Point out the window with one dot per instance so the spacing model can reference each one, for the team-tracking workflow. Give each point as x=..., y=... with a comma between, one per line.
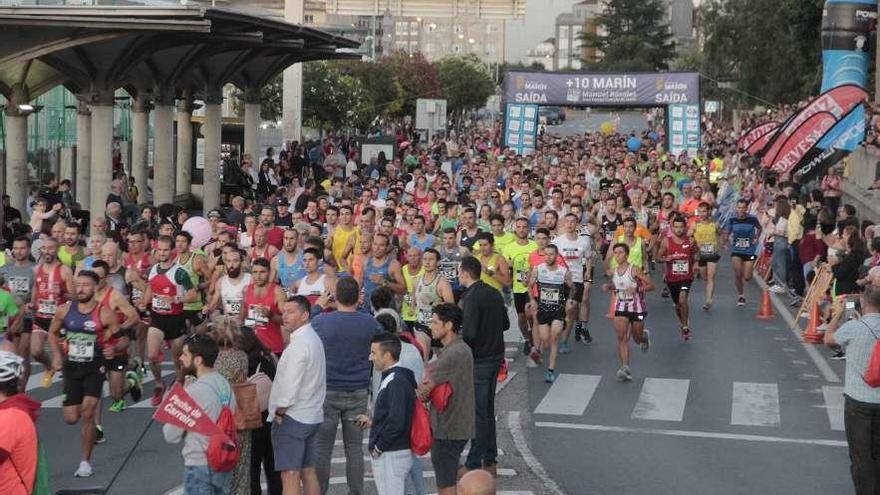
x=414, y=28
x=458, y=29
x=413, y=46
x=491, y=28
x=401, y=45
x=308, y=19
x=400, y=28
x=563, y=41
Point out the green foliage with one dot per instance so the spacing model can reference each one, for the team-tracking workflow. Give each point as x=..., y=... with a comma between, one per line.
x=466, y=83
x=270, y=99
x=378, y=81
x=415, y=78
x=771, y=50
x=334, y=100
x=635, y=37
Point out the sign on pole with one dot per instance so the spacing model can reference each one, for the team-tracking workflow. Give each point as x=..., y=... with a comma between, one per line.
x=430, y=114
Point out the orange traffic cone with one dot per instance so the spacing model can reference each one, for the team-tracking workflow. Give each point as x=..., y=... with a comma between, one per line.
x=811, y=334
x=766, y=310
x=611, y=306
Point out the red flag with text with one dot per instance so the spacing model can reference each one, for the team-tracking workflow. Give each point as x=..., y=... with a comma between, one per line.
x=181, y=410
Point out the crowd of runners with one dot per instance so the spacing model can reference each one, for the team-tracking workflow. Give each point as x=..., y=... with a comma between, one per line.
x=114, y=298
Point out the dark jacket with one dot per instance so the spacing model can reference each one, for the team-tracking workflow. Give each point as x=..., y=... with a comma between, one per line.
x=484, y=320
x=393, y=410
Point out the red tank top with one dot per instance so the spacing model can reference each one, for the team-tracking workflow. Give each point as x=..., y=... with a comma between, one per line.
x=120, y=317
x=50, y=290
x=680, y=266
x=268, y=332
x=164, y=285
x=663, y=220
x=255, y=255
x=141, y=266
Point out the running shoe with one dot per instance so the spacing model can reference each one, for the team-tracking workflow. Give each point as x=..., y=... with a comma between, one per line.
x=577, y=332
x=47, y=377
x=99, y=438
x=838, y=355
x=646, y=343
x=777, y=289
x=708, y=305
x=741, y=301
x=549, y=376
x=627, y=374
x=564, y=348
x=535, y=356
x=795, y=301
x=84, y=470
x=135, y=385
x=621, y=375
x=158, y=392
x=685, y=333
x=664, y=292
x=117, y=406
x=527, y=346
x=588, y=339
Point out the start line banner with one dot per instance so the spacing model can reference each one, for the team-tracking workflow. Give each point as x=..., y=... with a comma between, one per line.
x=657, y=89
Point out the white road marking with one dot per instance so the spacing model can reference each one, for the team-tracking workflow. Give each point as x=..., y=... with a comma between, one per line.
x=662, y=399
x=569, y=395
x=500, y=387
x=464, y=453
x=755, y=404
x=519, y=440
x=695, y=434
x=834, y=406
x=341, y=480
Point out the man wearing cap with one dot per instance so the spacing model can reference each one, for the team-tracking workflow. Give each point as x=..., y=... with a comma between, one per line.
x=283, y=219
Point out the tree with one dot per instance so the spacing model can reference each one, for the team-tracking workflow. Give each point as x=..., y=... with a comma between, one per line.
x=415, y=77
x=635, y=37
x=466, y=83
x=377, y=79
x=333, y=100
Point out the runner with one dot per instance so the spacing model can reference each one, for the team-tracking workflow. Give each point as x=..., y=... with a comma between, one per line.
x=229, y=295
x=287, y=265
x=704, y=232
x=168, y=289
x=87, y=326
x=577, y=250
x=743, y=231
x=70, y=253
x=553, y=284
x=195, y=266
x=137, y=263
x=630, y=310
x=339, y=244
x=430, y=288
x=262, y=307
x=679, y=253
x=315, y=283
x=262, y=248
x=450, y=259
x=517, y=254
x=610, y=220
x=53, y=282
x=468, y=230
x=496, y=272
x=19, y=277
x=381, y=269
x=410, y=271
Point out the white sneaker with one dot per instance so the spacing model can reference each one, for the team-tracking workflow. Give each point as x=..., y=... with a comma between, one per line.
x=777, y=289
x=84, y=471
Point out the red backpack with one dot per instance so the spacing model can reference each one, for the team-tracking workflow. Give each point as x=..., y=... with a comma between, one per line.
x=223, y=448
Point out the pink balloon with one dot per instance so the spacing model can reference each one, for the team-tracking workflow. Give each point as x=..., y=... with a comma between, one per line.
x=200, y=229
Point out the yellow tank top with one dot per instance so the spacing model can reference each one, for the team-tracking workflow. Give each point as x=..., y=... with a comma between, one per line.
x=408, y=309
x=705, y=233
x=490, y=264
x=340, y=240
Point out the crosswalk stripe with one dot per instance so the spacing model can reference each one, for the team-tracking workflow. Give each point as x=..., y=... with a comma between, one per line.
x=570, y=395
x=464, y=453
x=55, y=402
x=662, y=399
x=341, y=480
x=755, y=404
x=36, y=380
x=834, y=406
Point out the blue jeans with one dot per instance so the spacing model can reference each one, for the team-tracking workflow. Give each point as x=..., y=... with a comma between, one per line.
x=201, y=480
x=415, y=480
x=780, y=261
x=484, y=448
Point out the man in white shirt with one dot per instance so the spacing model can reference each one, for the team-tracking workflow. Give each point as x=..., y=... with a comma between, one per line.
x=296, y=403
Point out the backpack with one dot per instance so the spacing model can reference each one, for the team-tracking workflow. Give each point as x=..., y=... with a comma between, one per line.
x=420, y=436
x=223, y=448
x=872, y=370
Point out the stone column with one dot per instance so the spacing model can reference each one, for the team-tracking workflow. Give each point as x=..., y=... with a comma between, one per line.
x=16, y=157
x=102, y=154
x=140, y=136
x=291, y=91
x=252, y=123
x=83, y=155
x=211, y=130
x=184, y=145
x=163, y=152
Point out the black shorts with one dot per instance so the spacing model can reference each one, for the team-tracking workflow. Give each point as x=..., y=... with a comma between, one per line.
x=195, y=317
x=27, y=324
x=744, y=257
x=713, y=258
x=631, y=316
x=675, y=288
x=41, y=324
x=445, y=458
x=519, y=301
x=118, y=363
x=548, y=314
x=81, y=381
x=577, y=293
x=173, y=326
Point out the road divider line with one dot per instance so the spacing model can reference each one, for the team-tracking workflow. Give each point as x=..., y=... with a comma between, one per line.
x=662, y=399
x=569, y=395
x=755, y=404
x=694, y=434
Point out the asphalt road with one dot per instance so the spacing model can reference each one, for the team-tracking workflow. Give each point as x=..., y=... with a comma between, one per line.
x=579, y=121
x=741, y=408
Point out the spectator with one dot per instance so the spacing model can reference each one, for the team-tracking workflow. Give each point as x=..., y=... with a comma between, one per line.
x=297, y=400
x=781, y=255
x=477, y=482
x=812, y=247
x=861, y=414
x=18, y=432
x=832, y=189
x=485, y=320
x=392, y=416
x=454, y=426
x=261, y=360
x=211, y=392
x=846, y=267
x=235, y=215
x=346, y=334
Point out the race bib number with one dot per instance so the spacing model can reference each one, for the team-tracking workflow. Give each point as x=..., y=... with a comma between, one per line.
x=625, y=296
x=47, y=307
x=408, y=299
x=680, y=267
x=550, y=295
x=425, y=316
x=449, y=273
x=233, y=307
x=19, y=285
x=81, y=348
x=743, y=243
x=664, y=225
x=136, y=294
x=161, y=303
x=255, y=315
x=707, y=249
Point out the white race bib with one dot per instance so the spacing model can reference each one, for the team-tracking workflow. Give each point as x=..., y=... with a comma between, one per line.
x=233, y=307
x=255, y=314
x=707, y=248
x=81, y=348
x=624, y=296
x=550, y=295
x=19, y=285
x=47, y=306
x=743, y=243
x=680, y=267
x=161, y=303
x=425, y=316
